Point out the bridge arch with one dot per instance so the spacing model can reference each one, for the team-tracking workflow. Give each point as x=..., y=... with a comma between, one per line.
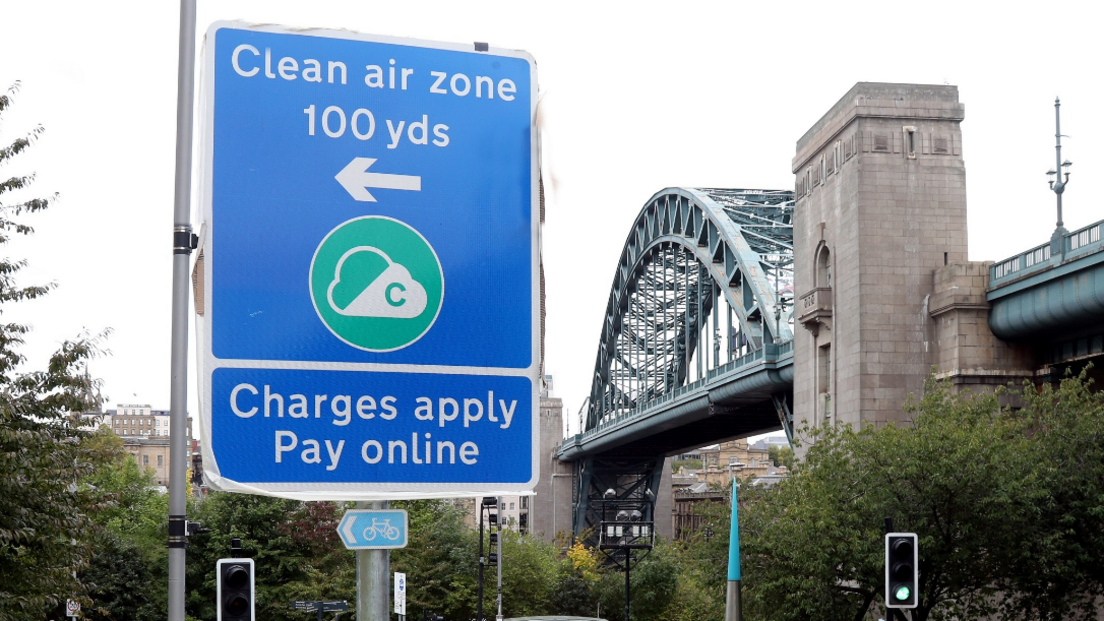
x=705, y=281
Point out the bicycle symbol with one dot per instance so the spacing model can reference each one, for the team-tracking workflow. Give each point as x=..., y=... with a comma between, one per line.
x=382, y=528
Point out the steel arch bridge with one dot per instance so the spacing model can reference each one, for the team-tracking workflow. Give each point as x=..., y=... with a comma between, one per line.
x=696, y=345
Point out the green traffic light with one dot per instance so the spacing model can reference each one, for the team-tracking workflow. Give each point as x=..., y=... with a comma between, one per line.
x=902, y=593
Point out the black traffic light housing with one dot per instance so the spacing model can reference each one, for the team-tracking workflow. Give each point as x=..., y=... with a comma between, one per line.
x=235, y=589
x=902, y=570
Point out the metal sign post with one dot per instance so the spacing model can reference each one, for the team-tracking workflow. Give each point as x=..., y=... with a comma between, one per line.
x=183, y=243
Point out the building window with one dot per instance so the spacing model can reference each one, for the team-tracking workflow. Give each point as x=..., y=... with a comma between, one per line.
x=502, y=507
x=145, y=460
x=160, y=460
x=825, y=364
x=524, y=502
x=837, y=158
x=910, y=142
x=824, y=268
x=511, y=506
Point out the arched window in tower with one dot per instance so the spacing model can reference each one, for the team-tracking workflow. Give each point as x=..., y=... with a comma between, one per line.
x=824, y=267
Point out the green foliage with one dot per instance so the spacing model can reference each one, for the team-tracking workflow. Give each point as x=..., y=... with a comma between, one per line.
x=781, y=456
x=282, y=538
x=129, y=561
x=653, y=583
x=120, y=579
x=441, y=559
x=1004, y=501
x=44, y=514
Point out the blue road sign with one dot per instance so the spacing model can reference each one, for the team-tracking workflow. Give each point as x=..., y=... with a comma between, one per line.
x=369, y=267
x=373, y=529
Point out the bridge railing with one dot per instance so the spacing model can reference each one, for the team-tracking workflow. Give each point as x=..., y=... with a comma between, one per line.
x=1083, y=241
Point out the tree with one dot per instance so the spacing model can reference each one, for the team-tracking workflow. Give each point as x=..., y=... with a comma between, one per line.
x=577, y=574
x=44, y=522
x=1055, y=572
x=1005, y=527
x=781, y=456
x=653, y=584
x=127, y=574
x=286, y=568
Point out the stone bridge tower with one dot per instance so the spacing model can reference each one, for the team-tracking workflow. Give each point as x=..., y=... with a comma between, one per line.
x=881, y=206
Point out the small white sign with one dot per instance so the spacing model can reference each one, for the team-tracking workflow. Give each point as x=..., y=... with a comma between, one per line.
x=400, y=593
x=72, y=608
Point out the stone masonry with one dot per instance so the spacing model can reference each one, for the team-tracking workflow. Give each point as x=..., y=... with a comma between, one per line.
x=881, y=204
x=885, y=290
x=550, y=512
x=967, y=351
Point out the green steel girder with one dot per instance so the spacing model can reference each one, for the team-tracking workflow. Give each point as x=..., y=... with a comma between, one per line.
x=687, y=250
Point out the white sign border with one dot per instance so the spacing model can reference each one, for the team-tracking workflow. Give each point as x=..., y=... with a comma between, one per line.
x=208, y=363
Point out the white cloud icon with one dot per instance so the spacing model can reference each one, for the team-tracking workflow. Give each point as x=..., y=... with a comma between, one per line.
x=394, y=293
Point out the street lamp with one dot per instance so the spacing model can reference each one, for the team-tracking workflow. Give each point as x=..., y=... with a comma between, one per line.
x=627, y=532
x=1058, y=181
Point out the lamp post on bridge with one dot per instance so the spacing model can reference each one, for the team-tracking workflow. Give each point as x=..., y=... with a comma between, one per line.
x=1058, y=182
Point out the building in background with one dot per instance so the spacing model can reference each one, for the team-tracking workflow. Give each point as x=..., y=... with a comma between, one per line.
x=721, y=462
x=145, y=434
x=548, y=511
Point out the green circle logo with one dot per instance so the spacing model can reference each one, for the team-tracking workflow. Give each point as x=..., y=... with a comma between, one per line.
x=376, y=283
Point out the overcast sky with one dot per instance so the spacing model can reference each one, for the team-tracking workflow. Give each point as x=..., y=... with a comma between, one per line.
x=638, y=96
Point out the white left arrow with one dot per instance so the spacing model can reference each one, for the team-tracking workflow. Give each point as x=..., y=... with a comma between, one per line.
x=348, y=529
x=356, y=180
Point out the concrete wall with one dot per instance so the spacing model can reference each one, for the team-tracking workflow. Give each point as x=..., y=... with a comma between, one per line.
x=888, y=216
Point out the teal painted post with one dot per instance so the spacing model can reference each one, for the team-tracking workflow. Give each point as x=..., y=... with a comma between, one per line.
x=732, y=596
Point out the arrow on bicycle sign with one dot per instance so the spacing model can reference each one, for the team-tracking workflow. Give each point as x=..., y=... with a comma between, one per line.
x=373, y=529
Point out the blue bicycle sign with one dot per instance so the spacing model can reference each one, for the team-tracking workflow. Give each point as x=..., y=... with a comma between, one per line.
x=365, y=529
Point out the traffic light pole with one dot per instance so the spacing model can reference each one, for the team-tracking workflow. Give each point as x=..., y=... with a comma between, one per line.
x=479, y=589
x=182, y=249
x=373, y=573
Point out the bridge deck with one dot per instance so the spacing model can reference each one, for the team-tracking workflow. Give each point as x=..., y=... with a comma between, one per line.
x=1043, y=294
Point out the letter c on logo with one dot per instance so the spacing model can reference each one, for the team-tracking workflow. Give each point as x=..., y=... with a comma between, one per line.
x=234, y=400
x=391, y=299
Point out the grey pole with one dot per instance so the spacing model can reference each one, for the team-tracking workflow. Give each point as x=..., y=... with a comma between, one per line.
x=1058, y=183
x=479, y=588
x=373, y=573
x=1058, y=156
x=182, y=249
x=499, y=616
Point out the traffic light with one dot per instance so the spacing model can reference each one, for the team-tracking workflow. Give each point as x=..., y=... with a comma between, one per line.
x=235, y=589
x=902, y=577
